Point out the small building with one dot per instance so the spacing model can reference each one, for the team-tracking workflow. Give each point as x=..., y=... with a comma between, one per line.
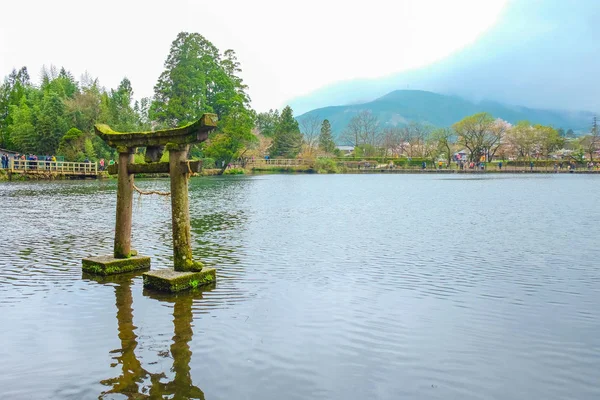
x=346, y=150
x=462, y=155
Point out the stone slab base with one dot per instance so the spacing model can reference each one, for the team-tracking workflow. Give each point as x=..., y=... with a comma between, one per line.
x=108, y=265
x=169, y=280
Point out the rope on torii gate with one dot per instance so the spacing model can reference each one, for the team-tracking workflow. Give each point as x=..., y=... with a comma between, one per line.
x=148, y=192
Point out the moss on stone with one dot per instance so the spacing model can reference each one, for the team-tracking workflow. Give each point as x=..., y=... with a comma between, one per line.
x=194, y=132
x=108, y=265
x=168, y=280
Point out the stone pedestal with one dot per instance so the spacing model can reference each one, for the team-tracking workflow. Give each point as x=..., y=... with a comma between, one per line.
x=169, y=280
x=109, y=265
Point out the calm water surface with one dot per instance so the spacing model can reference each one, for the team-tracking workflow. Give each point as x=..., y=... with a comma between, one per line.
x=329, y=287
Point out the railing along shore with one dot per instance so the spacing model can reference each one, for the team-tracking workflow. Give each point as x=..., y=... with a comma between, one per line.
x=57, y=167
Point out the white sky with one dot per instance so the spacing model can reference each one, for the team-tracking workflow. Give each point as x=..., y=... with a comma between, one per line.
x=286, y=49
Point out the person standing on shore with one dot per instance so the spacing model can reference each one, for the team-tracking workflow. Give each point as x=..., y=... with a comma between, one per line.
x=531, y=166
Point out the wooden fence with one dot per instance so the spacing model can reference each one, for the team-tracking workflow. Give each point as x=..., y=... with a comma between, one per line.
x=283, y=162
x=52, y=167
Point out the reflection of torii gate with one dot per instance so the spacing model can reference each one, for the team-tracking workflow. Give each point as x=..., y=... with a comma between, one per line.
x=133, y=374
x=187, y=272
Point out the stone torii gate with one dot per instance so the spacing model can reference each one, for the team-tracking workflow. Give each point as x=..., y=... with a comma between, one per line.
x=186, y=272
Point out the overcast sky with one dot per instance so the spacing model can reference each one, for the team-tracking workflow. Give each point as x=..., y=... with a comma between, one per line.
x=286, y=50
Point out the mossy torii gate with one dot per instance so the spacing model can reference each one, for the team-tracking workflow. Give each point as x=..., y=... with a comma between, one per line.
x=177, y=142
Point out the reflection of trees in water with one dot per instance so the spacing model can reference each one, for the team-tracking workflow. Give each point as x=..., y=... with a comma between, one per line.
x=133, y=381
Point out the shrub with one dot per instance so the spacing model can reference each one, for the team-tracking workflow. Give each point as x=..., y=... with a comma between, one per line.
x=234, y=171
x=326, y=166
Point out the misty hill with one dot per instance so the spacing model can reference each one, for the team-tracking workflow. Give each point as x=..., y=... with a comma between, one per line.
x=403, y=106
x=541, y=54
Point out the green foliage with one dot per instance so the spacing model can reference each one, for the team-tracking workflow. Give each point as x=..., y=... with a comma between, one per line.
x=233, y=137
x=234, y=171
x=21, y=128
x=267, y=122
x=51, y=123
x=326, y=166
x=480, y=133
x=287, y=141
x=12, y=91
x=118, y=110
x=34, y=120
x=72, y=145
x=197, y=79
x=366, y=150
x=208, y=162
x=326, y=142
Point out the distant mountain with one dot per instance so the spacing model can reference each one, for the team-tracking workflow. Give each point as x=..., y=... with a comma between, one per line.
x=541, y=54
x=403, y=106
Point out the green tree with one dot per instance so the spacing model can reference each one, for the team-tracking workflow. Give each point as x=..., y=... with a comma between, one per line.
x=523, y=138
x=197, y=79
x=443, y=140
x=326, y=142
x=550, y=139
x=72, y=145
x=121, y=115
x=481, y=134
x=266, y=122
x=16, y=85
x=62, y=83
x=189, y=82
x=84, y=108
x=233, y=139
x=51, y=123
x=21, y=130
x=287, y=141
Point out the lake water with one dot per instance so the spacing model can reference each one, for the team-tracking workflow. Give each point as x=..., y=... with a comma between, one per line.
x=329, y=287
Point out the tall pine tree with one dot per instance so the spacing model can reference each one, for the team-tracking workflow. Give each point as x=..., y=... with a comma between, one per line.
x=197, y=79
x=326, y=142
x=287, y=141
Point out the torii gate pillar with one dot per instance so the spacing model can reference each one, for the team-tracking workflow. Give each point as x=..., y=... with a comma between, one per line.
x=186, y=272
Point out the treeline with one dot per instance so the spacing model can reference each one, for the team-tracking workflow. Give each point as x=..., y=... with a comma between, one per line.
x=288, y=139
x=57, y=114
x=481, y=136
